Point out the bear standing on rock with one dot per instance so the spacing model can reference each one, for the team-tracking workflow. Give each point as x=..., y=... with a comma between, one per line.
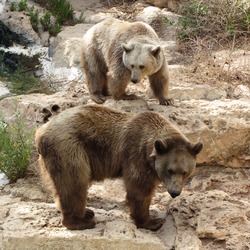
x=116, y=52
x=91, y=143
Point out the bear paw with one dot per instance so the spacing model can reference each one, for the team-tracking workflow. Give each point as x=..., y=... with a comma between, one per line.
x=153, y=224
x=89, y=214
x=78, y=224
x=98, y=98
x=166, y=101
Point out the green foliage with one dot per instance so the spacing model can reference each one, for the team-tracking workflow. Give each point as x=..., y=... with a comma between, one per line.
x=45, y=21
x=15, y=147
x=22, y=5
x=13, y=6
x=80, y=19
x=62, y=10
x=216, y=21
x=34, y=18
x=55, y=29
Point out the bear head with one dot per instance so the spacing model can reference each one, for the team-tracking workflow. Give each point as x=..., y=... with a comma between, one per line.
x=142, y=59
x=174, y=161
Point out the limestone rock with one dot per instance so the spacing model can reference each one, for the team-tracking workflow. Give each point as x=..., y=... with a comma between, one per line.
x=170, y=4
x=4, y=91
x=19, y=23
x=213, y=216
x=211, y=213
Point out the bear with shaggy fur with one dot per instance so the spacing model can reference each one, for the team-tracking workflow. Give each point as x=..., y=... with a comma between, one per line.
x=116, y=52
x=91, y=143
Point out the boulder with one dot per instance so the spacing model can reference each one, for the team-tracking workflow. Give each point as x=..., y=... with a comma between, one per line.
x=19, y=23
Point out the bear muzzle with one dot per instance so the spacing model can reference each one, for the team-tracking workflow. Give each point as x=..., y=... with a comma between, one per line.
x=134, y=80
x=174, y=193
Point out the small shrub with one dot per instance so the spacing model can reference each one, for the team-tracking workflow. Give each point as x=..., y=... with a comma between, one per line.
x=22, y=5
x=45, y=21
x=80, y=19
x=15, y=147
x=13, y=6
x=213, y=23
x=34, y=18
x=55, y=29
x=62, y=10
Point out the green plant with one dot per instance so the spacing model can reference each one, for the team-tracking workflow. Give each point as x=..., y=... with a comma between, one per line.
x=213, y=23
x=34, y=18
x=45, y=21
x=55, y=29
x=62, y=10
x=13, y=6
x=80, y=19
x=22, y=5
x=15, y=147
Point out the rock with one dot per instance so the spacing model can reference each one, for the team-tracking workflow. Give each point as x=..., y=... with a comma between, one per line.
x=197, y=92
x=212, y=215
x=4, y=91
x=149, y=15
x=160, y=20
x=170, y=4
x=19, y=23
x=38, y=224
x=242, y=91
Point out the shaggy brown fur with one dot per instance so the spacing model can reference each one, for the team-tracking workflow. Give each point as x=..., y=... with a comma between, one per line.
x=116, y=52
x=91, y=143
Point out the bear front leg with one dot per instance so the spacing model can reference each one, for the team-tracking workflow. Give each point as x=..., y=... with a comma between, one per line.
x=139, y=209
x=118, y=84
x=159, y=83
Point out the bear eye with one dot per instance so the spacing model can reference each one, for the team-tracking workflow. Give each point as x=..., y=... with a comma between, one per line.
x=132, y=66
x=142, y=67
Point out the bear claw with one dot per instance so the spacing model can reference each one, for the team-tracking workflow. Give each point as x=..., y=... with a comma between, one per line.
x=167, y=101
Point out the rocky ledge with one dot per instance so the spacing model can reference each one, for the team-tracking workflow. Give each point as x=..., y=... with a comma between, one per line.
x=213, y=212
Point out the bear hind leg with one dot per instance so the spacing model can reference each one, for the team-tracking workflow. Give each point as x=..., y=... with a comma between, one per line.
x=70, y=193
x=73, y=206
x=96, y=78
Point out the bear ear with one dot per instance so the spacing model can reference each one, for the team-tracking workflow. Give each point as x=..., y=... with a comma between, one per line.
x=127, y=48
x=196, y=148
x=160, y=146
x=155, y=50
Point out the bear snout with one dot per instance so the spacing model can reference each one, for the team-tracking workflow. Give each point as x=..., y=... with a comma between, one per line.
x=174, y=193
x=134, y=80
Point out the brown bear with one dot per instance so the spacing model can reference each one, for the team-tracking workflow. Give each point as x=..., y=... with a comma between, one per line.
x=91, y=143
x=116, y=52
